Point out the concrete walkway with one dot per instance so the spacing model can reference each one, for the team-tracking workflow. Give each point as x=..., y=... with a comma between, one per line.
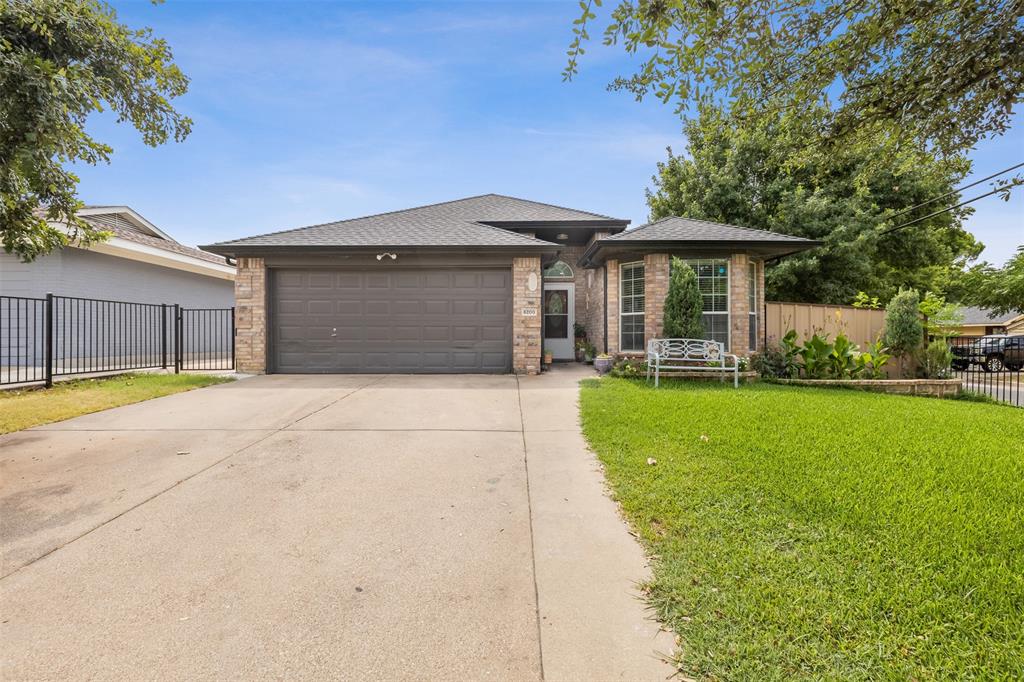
x=352, y=527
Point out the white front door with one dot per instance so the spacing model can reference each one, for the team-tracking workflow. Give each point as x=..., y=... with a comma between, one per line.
x=559, y=317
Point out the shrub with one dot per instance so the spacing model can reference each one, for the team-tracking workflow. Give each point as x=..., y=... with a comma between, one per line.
x=773, y=362
x=684, y=304
x=629, y=367
x=934, y=360
x=903, y=330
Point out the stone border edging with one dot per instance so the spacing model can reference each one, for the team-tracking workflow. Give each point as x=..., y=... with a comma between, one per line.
x=938, y=388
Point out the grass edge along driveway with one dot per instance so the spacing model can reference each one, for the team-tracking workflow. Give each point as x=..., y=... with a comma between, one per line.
x=822, y=534
x=28, y=407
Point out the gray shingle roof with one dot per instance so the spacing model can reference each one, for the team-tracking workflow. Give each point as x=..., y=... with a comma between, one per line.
x=975, y=315
x=687, y=229
x=452, y=223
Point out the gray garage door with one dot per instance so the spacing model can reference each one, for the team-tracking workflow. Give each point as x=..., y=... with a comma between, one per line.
x=422, y=321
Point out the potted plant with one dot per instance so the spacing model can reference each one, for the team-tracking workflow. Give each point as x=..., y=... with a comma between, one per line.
x=548, y=357
x=588, y=353
x=603, y=363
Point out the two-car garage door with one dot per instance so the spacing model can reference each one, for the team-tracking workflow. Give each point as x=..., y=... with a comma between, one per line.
x=388, y=320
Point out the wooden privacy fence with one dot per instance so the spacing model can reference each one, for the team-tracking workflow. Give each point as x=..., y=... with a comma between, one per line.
x=861, y=325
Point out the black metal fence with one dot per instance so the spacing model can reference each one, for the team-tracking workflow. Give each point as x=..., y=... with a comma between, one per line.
x=991, y=365
x=43, y=338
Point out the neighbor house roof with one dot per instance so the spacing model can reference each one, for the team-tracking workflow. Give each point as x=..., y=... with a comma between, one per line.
x=135, y=238
x=470, y=222
x=676, y=232
x=982, y=316
x=167, y=244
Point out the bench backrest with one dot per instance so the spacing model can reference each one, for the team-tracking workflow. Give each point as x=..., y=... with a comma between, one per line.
x=686, y=349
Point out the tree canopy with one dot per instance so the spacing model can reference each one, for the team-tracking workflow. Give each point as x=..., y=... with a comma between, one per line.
x=765, y=176
x=943, y=73
x=998, y=289
x=60, y=61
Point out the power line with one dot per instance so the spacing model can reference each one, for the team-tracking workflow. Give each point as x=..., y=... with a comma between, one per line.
x=946, y=210
x=955, y=191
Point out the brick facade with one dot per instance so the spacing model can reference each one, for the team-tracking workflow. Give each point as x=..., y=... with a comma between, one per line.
x=612, y=313
x=251, y=316
x=656, y=276
x=526, y=329
x=739, y=305
x=656, y=271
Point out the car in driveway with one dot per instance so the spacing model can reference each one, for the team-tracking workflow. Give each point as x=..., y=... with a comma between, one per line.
x=991, y=353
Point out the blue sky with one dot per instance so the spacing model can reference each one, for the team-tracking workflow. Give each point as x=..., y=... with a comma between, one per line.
x=307, y=112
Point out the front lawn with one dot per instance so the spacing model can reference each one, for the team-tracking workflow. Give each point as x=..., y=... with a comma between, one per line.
x=25, y=408
x=823, y=533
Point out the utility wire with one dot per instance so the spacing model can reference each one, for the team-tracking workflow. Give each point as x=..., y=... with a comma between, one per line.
x=945, y=210
x=955, y=191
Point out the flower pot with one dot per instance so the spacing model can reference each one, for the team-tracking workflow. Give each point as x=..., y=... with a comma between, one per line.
x=548, y=358
x=603, y=365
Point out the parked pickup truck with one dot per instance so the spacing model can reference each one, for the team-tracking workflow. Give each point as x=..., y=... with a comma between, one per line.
x=992, y=353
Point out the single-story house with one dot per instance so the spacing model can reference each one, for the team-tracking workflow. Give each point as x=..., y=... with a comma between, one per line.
x=140, y=263
x=483, y=284
x=982, y=322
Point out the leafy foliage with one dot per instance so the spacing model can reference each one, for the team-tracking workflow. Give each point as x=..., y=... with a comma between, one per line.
x=941, y=319
x=684, y=304
x=766, y=176
x=60, y=61
x=943, y=73
x=820, y=358
x=903, y=328
x=999, y=289
x=934, y=360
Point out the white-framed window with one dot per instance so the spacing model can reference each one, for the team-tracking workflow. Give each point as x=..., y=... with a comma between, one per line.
x=752, y=303
x=631, y=306
x=713, y=282
x=558, y=270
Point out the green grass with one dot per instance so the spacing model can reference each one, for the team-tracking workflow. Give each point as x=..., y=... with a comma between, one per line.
x=25, y=408
x=823, y=534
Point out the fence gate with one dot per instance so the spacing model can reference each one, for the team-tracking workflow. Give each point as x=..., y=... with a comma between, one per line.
x=206, y=339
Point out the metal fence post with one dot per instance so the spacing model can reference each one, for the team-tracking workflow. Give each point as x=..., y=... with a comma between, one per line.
x=48, y=354
x=232, y=337
x=177, y=338
x=163, y=335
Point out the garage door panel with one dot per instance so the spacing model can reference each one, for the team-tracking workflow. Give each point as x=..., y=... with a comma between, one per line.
x=434, y=321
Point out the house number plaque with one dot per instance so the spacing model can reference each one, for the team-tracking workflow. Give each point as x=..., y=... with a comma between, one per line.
x=528, y=312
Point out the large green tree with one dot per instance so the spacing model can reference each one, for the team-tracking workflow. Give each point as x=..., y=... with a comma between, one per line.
x=943, y=73
x=60, y=61
x=999, y=289
x=766, y=176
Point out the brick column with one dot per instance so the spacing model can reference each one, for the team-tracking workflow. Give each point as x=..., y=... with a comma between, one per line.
x=656, y=270
x=526, y=336
x=251, y=316
x=760, y=305
x=612, y=312
x=739, y=306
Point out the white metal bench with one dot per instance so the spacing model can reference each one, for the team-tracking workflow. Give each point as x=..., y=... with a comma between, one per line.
x=690, y=354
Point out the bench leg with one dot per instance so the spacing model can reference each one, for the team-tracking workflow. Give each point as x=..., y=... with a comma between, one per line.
x=657, y=375
x=648, y=371
x=736, y=378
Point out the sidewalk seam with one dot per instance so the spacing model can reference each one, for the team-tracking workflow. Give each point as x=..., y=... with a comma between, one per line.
x=533, y=549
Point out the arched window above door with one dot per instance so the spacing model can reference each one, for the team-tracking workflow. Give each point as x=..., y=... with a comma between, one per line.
x=558, y=270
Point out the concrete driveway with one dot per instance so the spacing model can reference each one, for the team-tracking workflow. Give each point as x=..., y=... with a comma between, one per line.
x=350, y=527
